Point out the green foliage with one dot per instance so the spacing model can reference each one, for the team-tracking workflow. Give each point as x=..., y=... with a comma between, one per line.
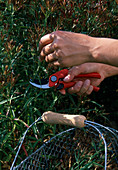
x=22, y=24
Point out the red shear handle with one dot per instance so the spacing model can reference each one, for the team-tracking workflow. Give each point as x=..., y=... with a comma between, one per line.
x=63, y=73
x=89, y=75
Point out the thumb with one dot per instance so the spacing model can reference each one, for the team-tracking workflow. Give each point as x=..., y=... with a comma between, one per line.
x=69, y=78
x=74, y=71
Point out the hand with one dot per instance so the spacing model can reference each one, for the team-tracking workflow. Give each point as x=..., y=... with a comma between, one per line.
x=85, y=86
x=65, y=49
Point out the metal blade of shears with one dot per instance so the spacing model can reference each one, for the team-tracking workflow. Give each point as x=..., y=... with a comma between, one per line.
x=44, y=86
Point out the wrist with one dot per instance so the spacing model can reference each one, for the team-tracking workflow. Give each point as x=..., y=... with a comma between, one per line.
x=95, y=49
x=110, y=70
x=107, y=70
x=104, y=50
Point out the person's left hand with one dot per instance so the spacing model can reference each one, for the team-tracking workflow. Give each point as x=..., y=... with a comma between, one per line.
x=65, y=49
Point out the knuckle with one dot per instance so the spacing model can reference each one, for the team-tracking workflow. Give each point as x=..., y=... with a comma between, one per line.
x=77, y=88
x=84, y=89
x=48, y=46
x=74, y=71
x=71, y=70
x=52, y=35
x=58, y=43
x=55, y=45
x=47, y=58
x=86, y=85
x=59, y=53
x=51, y=57
x=56, y=32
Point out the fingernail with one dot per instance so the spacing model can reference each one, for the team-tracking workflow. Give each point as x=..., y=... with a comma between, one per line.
x=67, y=78
x=62, y=91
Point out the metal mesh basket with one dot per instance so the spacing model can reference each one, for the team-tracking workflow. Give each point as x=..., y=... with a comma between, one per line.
x=74, y=149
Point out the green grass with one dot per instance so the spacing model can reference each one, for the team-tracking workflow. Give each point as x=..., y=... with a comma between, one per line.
x=22, y=24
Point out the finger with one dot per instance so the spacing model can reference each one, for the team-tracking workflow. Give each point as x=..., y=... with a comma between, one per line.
x=54, y=64
x=51, y=57
x=56, y=55
x=46, y=50
x=47, y=39
x=68, y=78
x=74, y=71
x=89, y=91
x=85, y=87
x=63, y=91
x=76, y=88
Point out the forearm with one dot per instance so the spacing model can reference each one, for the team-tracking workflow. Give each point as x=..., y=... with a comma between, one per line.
x=104, y=50
x=108, y=70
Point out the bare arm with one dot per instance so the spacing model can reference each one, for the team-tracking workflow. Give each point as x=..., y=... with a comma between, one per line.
x=69, y=49
x=105, y=50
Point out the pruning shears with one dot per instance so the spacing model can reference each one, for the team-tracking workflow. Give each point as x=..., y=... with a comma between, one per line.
x=56, y=80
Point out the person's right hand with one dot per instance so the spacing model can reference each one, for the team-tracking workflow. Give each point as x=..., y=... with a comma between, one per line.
x=85, y=86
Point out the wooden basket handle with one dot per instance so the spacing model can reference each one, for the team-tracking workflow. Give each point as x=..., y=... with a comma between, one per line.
x=65, y=119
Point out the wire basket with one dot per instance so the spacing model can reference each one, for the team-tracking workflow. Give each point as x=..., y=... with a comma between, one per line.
x=75, y=149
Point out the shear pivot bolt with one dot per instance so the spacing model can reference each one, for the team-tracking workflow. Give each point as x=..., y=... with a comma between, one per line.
x=53, y=78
